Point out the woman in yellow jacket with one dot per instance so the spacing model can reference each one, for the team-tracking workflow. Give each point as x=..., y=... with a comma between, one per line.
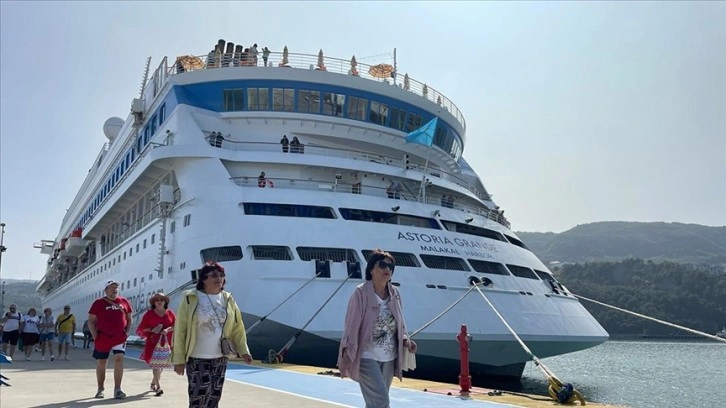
x=208, y=330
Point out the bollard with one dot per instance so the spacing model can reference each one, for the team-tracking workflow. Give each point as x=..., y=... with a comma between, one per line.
x=464, y=378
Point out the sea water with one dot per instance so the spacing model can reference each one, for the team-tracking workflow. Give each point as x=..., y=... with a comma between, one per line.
x=641, y=374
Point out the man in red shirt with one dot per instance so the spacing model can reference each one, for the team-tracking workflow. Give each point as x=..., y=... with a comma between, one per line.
x=109, y=321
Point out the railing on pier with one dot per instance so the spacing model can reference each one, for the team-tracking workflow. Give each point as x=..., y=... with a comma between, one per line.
x=310, y=61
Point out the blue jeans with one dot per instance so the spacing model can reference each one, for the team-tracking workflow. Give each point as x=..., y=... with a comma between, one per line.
x=375, y=381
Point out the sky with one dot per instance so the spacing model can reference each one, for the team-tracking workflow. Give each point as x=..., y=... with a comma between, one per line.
x=576, y=112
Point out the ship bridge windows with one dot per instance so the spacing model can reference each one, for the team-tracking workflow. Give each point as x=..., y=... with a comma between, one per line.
x=221, y=254
x=493, y=268
x=288, y=210
x=398, y=118
x=325, y=254
x=258, y=99
x=357, y=108
x=444, y=262
x=414, y=122
x=402, y=258
x=355, y=214
x=233, y=99
x=333, y=104
x=378, y=113
x=473, y=230
x=308, y=101
x=271, y=253
x=516, y=242
x=283, y=99
x=522, y=272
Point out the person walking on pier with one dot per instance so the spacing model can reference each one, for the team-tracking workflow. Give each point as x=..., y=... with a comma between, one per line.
x=208, y=330
x=374, y=335
x=156, y=324
x=109, y=320
x=47, y=333
x=11, y=330
x=65, y=328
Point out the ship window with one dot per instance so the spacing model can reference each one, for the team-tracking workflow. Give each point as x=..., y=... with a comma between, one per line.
x=414, y=122
x=333, y=104
x=355, y=214
x=283, y=99
x=233, y=99
x=137, y=247
x=357, y=108
x=522, y=272
x=398, y=118
x=172, y=227
x=516, y=242
x=378, y=113
x=488, y=267
x=288, y=210
x=473, y=230
x=324, y=254
x=162, y=114
x=144, y=243
x=402, y=258
x=134, y=282
x=308, y=101
x=258, y=99
x=222, y=254
x=444, y=262
x=187, y=219
x=153, y=237
x=271, y=253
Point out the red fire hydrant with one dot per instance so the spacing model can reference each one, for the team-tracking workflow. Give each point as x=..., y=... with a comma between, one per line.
x=464, y=378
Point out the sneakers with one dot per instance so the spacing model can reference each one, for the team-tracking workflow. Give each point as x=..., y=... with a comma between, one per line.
x=42, y=358
x=119, y=394
x=52, y=358
x=99, y=394
x=66, y=358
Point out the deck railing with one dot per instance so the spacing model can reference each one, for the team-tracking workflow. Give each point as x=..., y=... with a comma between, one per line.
x=310, y=61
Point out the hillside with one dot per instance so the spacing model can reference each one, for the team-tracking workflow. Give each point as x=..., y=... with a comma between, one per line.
x=613, y=241
x=22, y=293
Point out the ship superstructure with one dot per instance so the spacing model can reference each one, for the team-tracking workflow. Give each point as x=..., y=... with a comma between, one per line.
x=197, y=172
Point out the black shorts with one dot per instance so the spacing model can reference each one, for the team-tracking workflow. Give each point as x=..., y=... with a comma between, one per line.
x=11, y=337
x=30, y=339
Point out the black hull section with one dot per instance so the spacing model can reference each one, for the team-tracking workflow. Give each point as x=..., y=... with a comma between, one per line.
x=269, y=337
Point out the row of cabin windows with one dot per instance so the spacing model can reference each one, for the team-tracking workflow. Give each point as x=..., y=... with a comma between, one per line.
x=357, y=214
x=403, y=259
x=139, y=246
x=335, y=104
x=142, y=140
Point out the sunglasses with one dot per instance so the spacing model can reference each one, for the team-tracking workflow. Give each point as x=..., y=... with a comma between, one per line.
x=216, y=274
x=384, y=265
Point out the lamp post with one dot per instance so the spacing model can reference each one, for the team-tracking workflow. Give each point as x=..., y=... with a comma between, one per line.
x=2, y=249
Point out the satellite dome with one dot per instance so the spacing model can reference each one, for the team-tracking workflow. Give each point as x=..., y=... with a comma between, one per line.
x=112, y=127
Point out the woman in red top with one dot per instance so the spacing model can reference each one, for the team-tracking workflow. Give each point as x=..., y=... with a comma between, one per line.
x=157, y=321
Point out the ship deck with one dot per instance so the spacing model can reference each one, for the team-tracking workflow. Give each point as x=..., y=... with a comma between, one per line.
x=72, y=383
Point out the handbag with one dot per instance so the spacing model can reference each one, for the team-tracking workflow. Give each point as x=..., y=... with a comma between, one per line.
x=409, y=360
x=227, y=346
x=161, y=356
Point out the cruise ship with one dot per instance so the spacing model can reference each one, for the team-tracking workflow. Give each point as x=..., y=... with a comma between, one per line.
x=198, y=171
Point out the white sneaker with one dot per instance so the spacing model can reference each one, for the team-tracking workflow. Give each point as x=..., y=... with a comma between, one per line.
x=42, y=358
x=66, y=358
x=52, y=358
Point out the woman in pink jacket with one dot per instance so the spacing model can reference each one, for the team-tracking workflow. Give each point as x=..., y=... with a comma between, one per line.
x=374, y=337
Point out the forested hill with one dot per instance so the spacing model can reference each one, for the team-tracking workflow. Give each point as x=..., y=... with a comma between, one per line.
x=686, y=295
x=611, y=241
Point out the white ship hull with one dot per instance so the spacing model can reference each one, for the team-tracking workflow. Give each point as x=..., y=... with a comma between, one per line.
x=151, y=238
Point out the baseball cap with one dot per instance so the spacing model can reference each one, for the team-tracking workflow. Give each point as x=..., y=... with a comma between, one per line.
x=109, y=283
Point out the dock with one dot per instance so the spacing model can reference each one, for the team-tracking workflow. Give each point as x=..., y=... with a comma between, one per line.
x=61, y=383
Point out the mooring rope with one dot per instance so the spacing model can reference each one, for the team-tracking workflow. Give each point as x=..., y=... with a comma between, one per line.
x=700, y=333
x=279, y=356
x=283, y=302
x=442, y=313
x=557, y=389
